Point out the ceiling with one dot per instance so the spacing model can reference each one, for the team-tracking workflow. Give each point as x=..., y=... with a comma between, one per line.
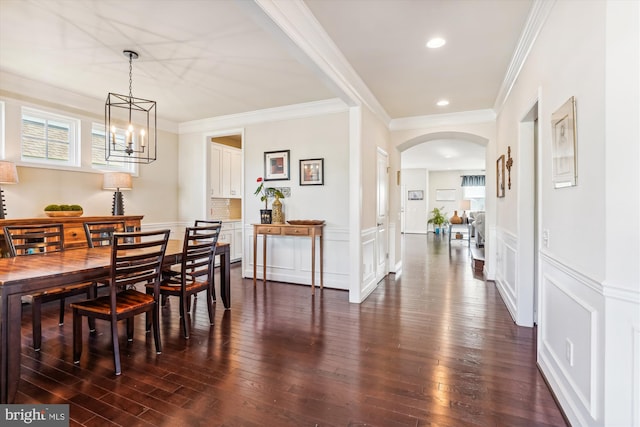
x=202, y=59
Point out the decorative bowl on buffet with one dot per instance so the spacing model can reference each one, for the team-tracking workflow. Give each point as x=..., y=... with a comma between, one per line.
x=306, y=221
x=63, y=210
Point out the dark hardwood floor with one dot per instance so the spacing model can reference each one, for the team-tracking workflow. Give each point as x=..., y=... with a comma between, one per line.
x=436, y=347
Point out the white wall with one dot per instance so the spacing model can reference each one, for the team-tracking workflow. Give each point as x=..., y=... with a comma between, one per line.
x=374, y=238
x=445, y=180
x=321, y=135
x=415, y=211
x=579, y=311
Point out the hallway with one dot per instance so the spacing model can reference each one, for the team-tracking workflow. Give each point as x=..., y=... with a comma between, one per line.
x=434, y=348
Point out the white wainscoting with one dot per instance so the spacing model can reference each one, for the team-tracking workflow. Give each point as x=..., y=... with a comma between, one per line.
x=177, y=229
x=505, y=273
x=571, y=340
x=289, y=258
x=635, y=373
x=369, y=261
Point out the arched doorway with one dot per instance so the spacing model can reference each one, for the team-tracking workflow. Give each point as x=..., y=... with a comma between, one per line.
x=447, y=153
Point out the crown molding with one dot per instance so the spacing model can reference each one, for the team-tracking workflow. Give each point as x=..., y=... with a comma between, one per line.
x=540, y=10
x=293, y=20
x=465, y=117
x=288, y=112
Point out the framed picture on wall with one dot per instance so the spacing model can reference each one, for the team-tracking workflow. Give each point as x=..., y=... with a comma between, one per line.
x=446, y=195
x=500, y=176
x=312, y=172
x=415, y=195
x=563, y=128
x=276, y=165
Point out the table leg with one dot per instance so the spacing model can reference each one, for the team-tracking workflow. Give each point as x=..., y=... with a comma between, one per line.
x=10, y=346
x=313, y=264
x=225, y=277
x=321, y=255
x=264, y=259
x=255, y=250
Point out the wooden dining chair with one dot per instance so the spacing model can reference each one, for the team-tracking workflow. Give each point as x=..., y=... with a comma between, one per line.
x=205, y=222
x=40, y=239
x=100, y=233
x=196, y=271
x=136, y=258
x=175, y=270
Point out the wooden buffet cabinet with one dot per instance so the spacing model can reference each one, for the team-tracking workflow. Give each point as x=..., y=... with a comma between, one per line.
x=74, y=236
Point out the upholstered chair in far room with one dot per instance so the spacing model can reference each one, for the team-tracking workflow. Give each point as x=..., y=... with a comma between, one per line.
x=40, y=239
x=136, y=258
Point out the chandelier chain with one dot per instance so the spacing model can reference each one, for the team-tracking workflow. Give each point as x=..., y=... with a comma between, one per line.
x=130, y=74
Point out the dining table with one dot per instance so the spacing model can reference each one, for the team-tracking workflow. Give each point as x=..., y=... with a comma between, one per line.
x=26, y=275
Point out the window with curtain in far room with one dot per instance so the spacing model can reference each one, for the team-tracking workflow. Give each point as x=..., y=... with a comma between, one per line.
x=473, y=189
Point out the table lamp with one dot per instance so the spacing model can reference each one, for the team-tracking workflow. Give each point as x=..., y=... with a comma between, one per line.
x=465, y=205
x=117, y=181
x=8, y=175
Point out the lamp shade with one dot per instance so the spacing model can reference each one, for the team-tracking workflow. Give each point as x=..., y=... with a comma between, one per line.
x=8, y=173
x=117, y=181
x=465, y=205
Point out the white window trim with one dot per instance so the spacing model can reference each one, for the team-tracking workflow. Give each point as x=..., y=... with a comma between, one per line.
x=74, y=148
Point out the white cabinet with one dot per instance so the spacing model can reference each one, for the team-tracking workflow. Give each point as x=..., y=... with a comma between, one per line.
x=236, y=249
x=225, y=171
x=231, y=233
x=215, y=170
x=231, y=172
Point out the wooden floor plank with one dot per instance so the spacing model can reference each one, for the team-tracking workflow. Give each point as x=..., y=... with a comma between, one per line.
x=433, y=347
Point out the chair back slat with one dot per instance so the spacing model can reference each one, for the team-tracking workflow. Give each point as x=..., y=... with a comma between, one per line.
x=137, y=258
x=199, y=250
x=205, y=222
x=34, y=239
x=100, y=233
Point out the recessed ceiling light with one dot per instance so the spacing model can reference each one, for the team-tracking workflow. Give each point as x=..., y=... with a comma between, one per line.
x=442, y=103
x=436, y=42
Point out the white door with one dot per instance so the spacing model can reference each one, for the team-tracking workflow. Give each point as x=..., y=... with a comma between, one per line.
x=382, y=177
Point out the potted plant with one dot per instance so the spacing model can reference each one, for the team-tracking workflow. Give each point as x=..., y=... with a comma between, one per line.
x=63, y=210
x=265, y=193
x=438, y=218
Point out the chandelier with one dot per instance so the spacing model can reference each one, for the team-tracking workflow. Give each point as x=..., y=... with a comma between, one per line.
x=130, y=125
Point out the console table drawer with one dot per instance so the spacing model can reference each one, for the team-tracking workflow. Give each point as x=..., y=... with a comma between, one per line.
x=267, y=229
x=296, y=231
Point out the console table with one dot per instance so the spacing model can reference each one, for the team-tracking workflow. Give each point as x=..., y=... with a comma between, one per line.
x=306, y=230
